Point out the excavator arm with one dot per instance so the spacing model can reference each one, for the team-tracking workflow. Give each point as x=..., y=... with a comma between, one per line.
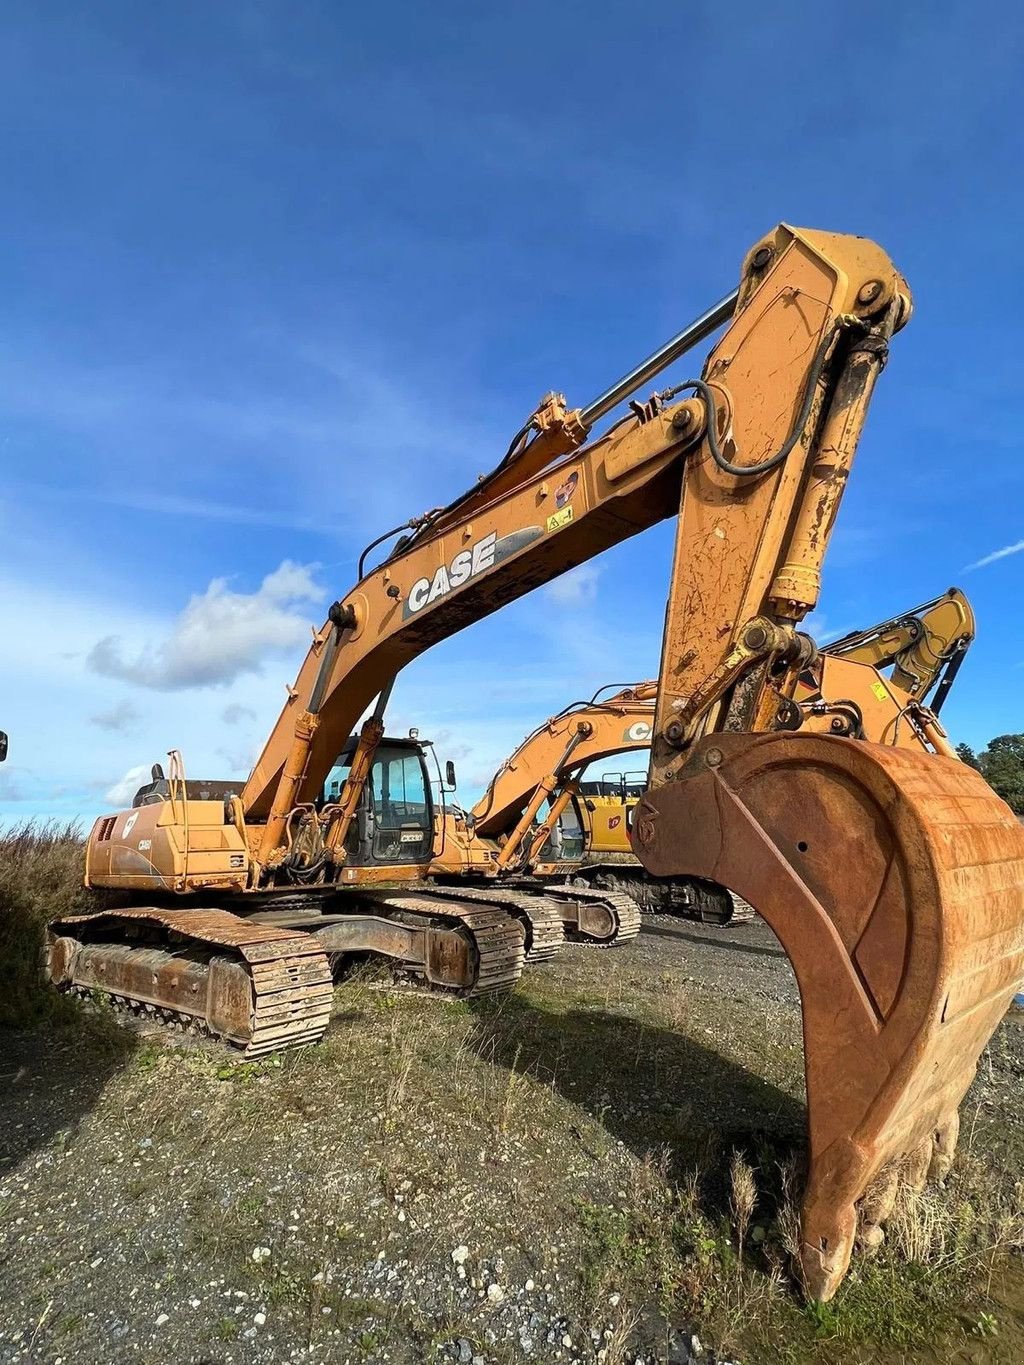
x=754, y=466
x=924, y=647
x=844, y=692
x=921, y=646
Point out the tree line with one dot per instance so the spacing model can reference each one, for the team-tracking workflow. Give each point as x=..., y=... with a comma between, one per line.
x=1002, y=767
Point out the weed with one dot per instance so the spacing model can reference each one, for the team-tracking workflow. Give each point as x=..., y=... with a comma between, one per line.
x=824, y=1320
x=986, y=1326
x=742, y=1197
x=243, y=1073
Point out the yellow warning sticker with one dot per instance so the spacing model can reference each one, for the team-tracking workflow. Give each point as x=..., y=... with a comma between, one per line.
x=880, y=690
x=558, y=519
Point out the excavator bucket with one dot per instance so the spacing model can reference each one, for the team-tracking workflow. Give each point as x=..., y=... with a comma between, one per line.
x=895, y=882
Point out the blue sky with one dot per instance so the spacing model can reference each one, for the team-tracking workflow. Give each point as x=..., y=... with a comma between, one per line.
x=278, y=276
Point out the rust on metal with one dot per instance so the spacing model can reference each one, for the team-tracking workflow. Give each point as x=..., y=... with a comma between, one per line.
x=906, y=962
x=253, y=985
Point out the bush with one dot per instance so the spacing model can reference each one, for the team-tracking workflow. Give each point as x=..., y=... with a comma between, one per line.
x=41, y=869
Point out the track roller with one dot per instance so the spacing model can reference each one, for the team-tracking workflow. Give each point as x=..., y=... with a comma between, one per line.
x=540, y=916
x=595, y=916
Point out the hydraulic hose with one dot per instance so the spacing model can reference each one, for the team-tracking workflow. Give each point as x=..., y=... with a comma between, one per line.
x=706, y=395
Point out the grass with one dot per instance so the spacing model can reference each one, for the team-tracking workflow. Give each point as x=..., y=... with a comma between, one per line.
x=41, y=869
x=584, y=1128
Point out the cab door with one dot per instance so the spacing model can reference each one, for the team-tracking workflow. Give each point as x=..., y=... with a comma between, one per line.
x=403, y=816
x=394, y=822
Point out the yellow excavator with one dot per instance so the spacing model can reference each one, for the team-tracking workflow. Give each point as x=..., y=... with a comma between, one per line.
x=584, y=835
x=894, y=878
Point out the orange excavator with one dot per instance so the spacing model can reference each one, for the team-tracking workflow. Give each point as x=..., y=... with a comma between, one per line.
x=583, y=837
x=894, y=878
x=502, y=840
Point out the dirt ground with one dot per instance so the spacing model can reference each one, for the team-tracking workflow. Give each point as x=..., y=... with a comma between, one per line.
x=546, y=1178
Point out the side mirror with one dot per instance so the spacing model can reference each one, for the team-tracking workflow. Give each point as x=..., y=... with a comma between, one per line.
x=590, y=806
x=3, y=745
x=449, y=775
x=157, y=772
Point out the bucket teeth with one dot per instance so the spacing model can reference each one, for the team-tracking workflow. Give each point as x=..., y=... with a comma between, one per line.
x=895, y=882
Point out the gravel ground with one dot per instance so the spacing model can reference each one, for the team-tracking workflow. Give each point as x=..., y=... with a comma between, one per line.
x=427, y=1185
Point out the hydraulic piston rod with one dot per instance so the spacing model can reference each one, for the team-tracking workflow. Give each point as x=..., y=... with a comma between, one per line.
x=682, y=342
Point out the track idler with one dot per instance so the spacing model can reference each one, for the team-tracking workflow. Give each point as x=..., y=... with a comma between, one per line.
x=895, y=882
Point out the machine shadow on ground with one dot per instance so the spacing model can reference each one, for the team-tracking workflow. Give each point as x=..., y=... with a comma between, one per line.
x=655, y=1089
x=672, y=931
x=50, y=1079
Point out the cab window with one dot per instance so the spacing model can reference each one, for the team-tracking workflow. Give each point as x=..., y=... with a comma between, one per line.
x=402, y=812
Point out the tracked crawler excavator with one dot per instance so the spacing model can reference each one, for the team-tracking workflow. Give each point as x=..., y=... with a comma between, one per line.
x=893, y=878
x=922, y=648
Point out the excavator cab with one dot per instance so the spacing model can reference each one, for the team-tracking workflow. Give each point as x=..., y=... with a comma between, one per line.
x=394, y=821
x=606, y=804
x=567, y=839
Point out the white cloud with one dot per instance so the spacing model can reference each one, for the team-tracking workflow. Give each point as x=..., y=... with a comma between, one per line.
x=577, y=588
x=50, y=685
x=327, y=398
x=220, y=634
x=1007, y=550
x=172, y=505
x=816, y=625
x=120, y=718
x=121, y=793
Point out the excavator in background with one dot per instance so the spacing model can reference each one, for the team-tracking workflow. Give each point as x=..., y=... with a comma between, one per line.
x=584, y=835
x=506, y=838
x=502, y=838
x=894, y=878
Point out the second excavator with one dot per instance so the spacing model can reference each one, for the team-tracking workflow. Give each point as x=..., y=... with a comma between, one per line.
x=888, y=684
x=894, y=878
